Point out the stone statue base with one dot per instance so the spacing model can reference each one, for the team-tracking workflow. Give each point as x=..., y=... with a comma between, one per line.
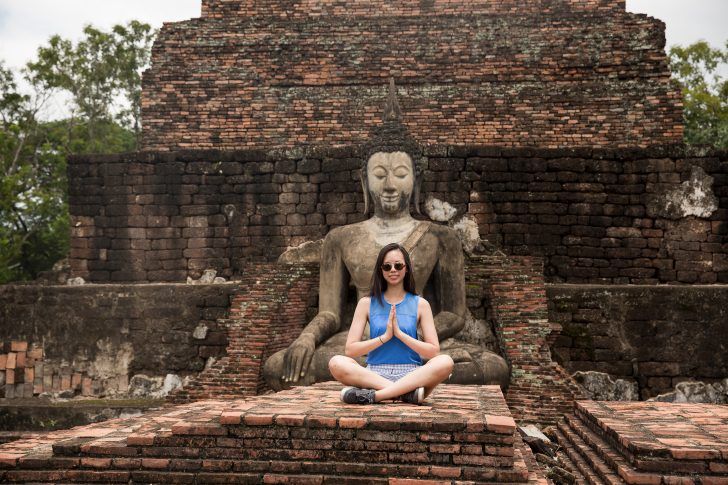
x=473, y=364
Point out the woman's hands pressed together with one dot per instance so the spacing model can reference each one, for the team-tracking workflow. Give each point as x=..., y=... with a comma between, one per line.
x=394, y=324
x=389, y=332
x=393, y=329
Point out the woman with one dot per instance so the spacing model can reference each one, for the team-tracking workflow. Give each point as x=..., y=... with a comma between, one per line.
x=394, y=361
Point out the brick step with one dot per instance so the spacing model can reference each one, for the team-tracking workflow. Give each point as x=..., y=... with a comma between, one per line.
x=354, y=453
x=387, y=452
x=590, y=464
x=586, y=419
x=282, y=477
x=47, y=468
x=662, y=448
x=214, y=441
x=595, y=445
x=576, y=465
x=618, y=464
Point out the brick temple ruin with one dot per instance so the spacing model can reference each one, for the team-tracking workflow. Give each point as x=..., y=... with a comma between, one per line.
x=552, y=126
x=513, y=73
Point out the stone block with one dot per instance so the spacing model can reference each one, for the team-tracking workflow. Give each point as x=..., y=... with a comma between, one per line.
x=309, y=166
x=35, y=353
x=659, y=368
x=659, y=384
x=86, y=386
x=687, y=276
x=720, y=263
x=47, y=380
x=18, y=346
x=65, y=382
x=76, y=381
x=123, y=383
x=624, y=232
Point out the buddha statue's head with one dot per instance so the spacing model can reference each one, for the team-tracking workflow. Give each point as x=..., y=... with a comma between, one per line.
x=392, y=165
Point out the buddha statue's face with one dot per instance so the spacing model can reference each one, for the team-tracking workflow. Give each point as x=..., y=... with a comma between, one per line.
x=391, y=180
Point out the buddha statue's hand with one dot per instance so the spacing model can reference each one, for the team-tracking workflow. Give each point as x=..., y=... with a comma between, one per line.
x=448, y=324
x=460, y=355
x=298, y=357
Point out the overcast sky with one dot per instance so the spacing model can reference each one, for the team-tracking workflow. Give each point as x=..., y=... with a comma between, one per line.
x=27, y=24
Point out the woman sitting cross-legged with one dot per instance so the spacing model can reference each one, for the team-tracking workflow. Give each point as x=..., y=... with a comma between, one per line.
x=394, y=352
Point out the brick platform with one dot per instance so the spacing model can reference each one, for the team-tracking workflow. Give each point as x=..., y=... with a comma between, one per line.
x=648, y=443
x=463, y=434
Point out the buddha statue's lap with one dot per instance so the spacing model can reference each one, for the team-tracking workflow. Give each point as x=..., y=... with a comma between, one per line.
x=390, y=179
x=473, y=364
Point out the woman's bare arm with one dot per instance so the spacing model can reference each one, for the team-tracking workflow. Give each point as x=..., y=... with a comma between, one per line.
x=355, y=346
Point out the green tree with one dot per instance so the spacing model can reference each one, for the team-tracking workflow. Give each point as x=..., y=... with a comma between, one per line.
x=133, y=50
x=96, y=72
x=33, y=212
x=102, y=75
x=697, y=68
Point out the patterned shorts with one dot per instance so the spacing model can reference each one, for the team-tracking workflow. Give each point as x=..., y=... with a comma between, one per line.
x=393, y=372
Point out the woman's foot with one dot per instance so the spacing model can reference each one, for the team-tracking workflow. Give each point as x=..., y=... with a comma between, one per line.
x=416, y=396
x=354, y=395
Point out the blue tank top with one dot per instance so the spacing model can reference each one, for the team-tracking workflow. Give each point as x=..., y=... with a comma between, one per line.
x=394, y=351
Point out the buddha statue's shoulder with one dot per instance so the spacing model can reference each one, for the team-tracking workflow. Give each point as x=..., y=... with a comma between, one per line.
x=344, y=234
x=445, y=235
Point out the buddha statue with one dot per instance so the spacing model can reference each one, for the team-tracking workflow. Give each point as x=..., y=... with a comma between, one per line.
x=390, y=178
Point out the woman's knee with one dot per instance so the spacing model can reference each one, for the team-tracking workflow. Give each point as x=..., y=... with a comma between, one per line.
x=443, y=364
x=338, y=365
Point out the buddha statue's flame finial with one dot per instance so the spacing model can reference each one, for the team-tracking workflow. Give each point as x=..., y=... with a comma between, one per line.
x=392, y=111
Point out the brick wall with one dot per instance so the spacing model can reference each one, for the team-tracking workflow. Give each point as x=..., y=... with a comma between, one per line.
x=22, y=372
x=658, y=335
x=599, y=216
x=540, y=391
x=268, y=311
x=557, y=73
x=91, y=340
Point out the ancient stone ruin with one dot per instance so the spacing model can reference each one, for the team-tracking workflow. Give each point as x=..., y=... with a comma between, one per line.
x=546, y=135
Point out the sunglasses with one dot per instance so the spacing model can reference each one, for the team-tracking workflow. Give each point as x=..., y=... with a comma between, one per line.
x=388, y=266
